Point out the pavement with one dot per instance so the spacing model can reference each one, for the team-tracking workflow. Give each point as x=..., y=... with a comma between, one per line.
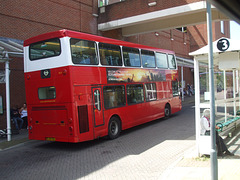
x=16, y=140
x=192, y=167
x=188, y=167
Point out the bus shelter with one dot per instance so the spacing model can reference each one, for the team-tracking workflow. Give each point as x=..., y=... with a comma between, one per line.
x=226, y=87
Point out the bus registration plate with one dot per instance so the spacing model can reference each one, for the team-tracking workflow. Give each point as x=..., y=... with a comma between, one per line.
x=50, y=139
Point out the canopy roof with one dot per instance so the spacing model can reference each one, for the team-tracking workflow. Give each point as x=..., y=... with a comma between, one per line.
x=225, y=54
x=12, y=47
x=234, y=45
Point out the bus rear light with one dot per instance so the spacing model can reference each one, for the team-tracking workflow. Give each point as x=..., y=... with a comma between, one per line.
x=71, y=129
x=64, y=72
x=70, y=120
x=28, y=77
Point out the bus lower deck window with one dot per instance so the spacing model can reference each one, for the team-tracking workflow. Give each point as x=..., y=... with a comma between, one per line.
x=135, y=94
x=151, y=91
x=114, y=96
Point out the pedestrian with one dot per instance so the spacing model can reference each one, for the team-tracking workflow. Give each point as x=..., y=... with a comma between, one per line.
x=205, y=131
x=23, y=113
x=15, y=116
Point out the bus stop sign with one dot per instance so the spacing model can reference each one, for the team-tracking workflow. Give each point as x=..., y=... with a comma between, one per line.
x=223, y=44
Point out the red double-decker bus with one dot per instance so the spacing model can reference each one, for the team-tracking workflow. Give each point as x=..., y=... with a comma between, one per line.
x=81, y=87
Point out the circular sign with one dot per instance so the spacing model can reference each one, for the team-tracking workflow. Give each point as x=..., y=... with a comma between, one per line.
x=223, y=44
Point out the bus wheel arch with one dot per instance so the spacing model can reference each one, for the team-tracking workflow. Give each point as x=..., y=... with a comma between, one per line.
x=167, y=110
x=114, y=127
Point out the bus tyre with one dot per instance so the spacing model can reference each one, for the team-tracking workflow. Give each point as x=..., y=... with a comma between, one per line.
x=167, y=111
x=114, y=128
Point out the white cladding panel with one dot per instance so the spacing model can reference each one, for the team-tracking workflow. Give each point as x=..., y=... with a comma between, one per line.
x=64, y=59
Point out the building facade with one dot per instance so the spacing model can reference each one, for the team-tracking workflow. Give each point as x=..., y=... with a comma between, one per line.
x=21, y=20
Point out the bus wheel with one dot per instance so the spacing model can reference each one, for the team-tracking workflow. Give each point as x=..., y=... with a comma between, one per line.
x=167, y=111
x=114, y=128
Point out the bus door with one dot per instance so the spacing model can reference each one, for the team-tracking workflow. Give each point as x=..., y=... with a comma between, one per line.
x=97, y=107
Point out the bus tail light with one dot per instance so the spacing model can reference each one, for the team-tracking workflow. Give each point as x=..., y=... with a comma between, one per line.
x=28, y=77
x=71, y=129
x=64, y=72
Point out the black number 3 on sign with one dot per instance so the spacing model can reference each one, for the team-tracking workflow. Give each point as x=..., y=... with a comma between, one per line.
x=223, y=44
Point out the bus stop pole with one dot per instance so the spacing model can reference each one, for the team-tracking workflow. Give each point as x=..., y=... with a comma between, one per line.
x=213, y=154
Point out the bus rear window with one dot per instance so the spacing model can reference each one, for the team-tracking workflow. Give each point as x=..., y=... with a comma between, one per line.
x=47, y=92
x=45, y=49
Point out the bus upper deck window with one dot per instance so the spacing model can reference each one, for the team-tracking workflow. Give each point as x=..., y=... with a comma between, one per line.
x=47, y=92
x=45, y=49
x=131, y=57
x=110, y=54
x=148, y=59
x=171, y=61
x=161, y=60
x=84, y=52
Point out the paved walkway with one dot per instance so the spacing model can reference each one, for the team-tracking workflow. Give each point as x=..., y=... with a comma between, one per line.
x=16, y=139
x=190, y=167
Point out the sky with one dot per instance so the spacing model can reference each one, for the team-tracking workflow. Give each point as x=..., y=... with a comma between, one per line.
x=234, y=30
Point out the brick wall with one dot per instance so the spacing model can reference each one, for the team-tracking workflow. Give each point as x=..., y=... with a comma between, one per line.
x=198, y=34
x=125, y=8
x=188, y=75
x=21, y=20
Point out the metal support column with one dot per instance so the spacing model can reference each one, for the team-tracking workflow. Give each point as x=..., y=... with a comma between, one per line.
x=234, y=93
x=8, y=98
x=182, y=83
x=197, y=102
x=225, y=94
x=213, y=153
